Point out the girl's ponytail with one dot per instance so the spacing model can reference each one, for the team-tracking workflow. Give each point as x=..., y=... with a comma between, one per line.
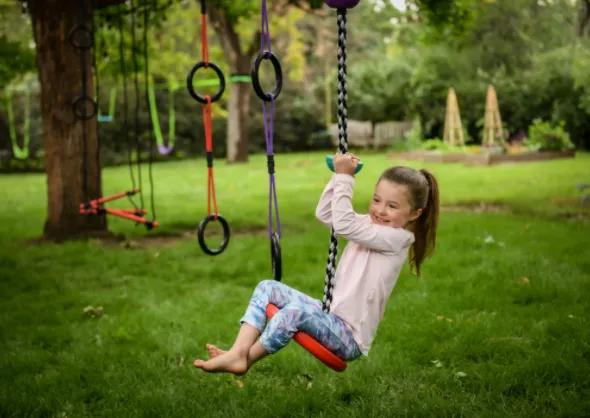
x=426, y=225
x=423, y=189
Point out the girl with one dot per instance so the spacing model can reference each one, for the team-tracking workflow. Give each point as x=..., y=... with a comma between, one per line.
x=401, y=224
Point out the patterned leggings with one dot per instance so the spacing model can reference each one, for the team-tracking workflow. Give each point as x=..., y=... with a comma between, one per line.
x=298, y=312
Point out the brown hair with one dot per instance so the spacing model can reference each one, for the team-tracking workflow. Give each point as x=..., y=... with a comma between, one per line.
x=423, y=189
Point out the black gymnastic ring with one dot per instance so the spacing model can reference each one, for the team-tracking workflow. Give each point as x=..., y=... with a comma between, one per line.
x=275, y=257
x=191, y=89
x=201, y=234
x=266, y=55
x=83, y=116
x=81, y=28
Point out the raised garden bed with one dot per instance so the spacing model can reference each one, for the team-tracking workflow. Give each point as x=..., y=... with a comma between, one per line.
x=445, y=157
x=408, y=155
x=492, y=159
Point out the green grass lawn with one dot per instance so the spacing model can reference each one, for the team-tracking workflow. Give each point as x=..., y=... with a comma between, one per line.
x=497, y=326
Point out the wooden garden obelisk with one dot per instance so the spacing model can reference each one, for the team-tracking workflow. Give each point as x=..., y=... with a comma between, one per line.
x=453, y=130
x=492, y=129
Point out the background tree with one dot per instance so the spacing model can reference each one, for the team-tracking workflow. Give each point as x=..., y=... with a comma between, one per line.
x=60, y=77
x=402, y=65
x=240, y=42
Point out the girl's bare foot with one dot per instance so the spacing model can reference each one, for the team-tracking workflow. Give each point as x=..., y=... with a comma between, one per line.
x=214, y=351
x=231, y=361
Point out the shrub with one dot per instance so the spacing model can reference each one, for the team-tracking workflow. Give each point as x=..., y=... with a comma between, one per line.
x=437, y=144
x=543, y=136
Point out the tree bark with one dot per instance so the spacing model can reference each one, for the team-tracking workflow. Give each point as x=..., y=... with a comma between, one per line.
x=60, y=77
x=237, y=125
x=584, y=17
x=239, y=93
x=5, y=141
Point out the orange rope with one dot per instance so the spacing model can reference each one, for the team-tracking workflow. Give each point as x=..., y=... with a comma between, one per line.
x=204, y=39
x=208, y=122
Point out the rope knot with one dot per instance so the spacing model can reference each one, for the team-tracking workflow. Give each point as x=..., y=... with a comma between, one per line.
x=270, y=163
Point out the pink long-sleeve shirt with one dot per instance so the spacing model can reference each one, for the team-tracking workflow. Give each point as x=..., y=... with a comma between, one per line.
x=370, y=263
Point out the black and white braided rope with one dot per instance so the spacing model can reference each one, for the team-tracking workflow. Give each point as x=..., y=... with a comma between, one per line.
x=342, y=148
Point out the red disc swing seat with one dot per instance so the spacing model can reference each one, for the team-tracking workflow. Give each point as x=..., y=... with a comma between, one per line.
x=310, y=344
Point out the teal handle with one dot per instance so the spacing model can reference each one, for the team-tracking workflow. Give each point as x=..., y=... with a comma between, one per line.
x=330, y=162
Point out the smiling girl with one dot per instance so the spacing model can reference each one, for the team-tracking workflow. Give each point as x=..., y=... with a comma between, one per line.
x=401, y=224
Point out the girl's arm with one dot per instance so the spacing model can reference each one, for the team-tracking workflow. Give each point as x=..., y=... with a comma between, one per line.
x=352, y=227
x=324, y=209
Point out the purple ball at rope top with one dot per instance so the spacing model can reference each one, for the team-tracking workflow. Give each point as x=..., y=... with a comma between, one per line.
x=342, y=4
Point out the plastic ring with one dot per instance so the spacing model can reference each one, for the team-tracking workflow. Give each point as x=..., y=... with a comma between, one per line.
x=278, y=76
x=191, y=89
x=330, y=163
x=81, y=29
x=201, y=234
x=80, y=113
x=342, y=4
x=275, y=256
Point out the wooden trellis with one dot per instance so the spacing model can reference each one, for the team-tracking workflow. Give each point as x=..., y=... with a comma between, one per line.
x=453, y=130
x=492, y=130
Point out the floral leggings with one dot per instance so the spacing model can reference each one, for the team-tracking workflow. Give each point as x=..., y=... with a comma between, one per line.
x=298, y=312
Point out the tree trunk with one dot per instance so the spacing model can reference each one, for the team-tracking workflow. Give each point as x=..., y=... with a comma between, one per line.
x=239, y=62
x=5, y=141
x=60, y=77
x=239, y=93
x=584, y=17
x=237, y=124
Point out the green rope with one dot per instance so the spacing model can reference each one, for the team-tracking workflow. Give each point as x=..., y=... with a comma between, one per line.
x=112, y=104
x=240, y=78
x=23, y=153
x=156, y=120
x=209, y=82
x=17, y=151
x=176, y=86
x=172, y=87
x=171, y=118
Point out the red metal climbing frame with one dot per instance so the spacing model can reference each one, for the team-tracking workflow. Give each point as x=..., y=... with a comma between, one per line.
x=95, y=207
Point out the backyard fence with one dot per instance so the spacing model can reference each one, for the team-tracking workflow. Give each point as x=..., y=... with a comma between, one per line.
x=365, y=134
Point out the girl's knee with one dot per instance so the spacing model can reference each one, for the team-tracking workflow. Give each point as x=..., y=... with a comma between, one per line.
x=266, y=286
x=263, y=284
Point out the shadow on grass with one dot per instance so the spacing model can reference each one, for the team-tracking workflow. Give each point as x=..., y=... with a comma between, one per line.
x=171, y=236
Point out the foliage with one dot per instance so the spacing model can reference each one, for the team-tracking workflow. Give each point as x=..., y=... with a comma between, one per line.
x=413, y=139
x=397, y=69
x=237, y=10
x=16, y=54
x=22, y=60
x=546, y=137
x=292, y=42
x=416, y=135
x=447, y=19
x=437, y=144
x=28, y=165
x=548, y=78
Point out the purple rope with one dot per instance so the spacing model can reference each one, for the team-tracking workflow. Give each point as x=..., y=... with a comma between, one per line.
x=265, y=35
x=272, y=193
x=268, y=124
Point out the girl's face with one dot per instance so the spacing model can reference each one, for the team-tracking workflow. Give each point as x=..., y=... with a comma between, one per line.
x=391, y=205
